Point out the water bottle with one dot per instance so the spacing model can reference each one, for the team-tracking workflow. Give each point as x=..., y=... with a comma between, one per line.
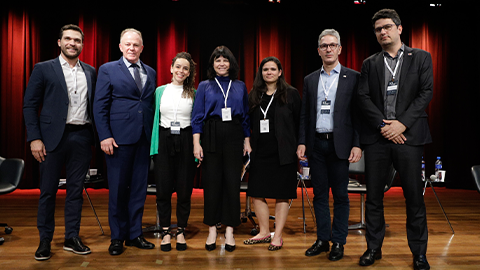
x=423, y=170
x=304, y=169
x=438, y=166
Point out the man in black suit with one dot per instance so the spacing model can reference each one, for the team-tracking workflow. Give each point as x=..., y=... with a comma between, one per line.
x=61, y=135
x=395, y=88
x=328, y=136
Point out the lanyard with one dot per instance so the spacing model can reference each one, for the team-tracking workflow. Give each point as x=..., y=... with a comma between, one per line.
x=228, y=90
x=325, y=90
x=396, y=66
x=268, y=106
x=73, y=71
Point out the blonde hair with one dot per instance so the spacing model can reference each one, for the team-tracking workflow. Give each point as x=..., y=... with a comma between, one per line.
x=131, y=30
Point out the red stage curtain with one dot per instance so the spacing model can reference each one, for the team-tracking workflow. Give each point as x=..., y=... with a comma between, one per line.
x=96, y=49
x=20, y=51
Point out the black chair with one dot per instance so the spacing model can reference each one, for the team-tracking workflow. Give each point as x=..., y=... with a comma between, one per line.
x=354, y=186
x=476, y=175
x=11, y=171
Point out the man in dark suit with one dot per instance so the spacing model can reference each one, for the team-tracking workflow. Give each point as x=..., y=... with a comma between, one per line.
x=123, y=110
x=61, y=135
x=328, y=135
x=395, y=88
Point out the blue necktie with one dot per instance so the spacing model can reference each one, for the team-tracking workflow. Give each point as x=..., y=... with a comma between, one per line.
x=136, y=76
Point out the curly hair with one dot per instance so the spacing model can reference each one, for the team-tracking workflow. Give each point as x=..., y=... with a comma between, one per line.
x=189, y=82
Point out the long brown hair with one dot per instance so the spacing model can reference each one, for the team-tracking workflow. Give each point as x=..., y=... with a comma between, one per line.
x=260, y=87
x=189, y=82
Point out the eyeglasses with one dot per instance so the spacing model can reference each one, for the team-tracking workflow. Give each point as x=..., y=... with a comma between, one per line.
x=332, y=46
x=387, y=27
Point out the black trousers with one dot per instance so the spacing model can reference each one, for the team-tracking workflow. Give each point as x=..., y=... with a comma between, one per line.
x=407, y=161
x=222, y=144
x=174, y=172
x=73, y=151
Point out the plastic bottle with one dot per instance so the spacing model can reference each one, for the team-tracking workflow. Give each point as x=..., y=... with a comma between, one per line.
x=438, y=166
x=423, y=169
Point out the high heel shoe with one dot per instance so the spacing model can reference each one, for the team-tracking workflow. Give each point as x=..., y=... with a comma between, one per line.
x=213, y=246
x=181, y=246
x=168, y=246
x=229, y=248
x=273, y=247
x=253, y=241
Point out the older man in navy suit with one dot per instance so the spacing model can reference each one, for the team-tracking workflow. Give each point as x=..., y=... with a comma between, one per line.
x=61, y=135
x=329, y=136
x=123, y=110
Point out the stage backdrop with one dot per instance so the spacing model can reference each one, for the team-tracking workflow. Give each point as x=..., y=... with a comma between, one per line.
x=253, y=30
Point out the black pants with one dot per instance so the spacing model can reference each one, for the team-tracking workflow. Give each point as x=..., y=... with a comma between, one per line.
x=174, y=172
x=73, y=151
x=407, y=161
x=222, y=144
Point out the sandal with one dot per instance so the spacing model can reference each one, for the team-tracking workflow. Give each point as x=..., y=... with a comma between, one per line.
x=181, y=246
x=166, y=247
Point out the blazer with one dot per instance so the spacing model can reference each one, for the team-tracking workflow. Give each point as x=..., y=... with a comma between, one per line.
x=415, y=90
x=287, y=120
x=120, y=109
x=345, y=120
x=47, y=89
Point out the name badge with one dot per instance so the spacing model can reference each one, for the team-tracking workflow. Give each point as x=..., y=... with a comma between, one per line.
x=264, y=127
x=75, y=100
x=325, y=106
x=174, y=127
x=226, y=114
x=392, y=88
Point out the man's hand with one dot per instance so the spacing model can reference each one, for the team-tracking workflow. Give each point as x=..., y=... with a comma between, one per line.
x=301, y=151
x=355, y=155
x=38, y=150
x=108, y=145
x=393, y=131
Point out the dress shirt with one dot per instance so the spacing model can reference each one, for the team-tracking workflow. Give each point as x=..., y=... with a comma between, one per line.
x=391, y=100
x=325, y=121
x=172, y=101
x=76, y=85
x=210, y=101
x=143, y=72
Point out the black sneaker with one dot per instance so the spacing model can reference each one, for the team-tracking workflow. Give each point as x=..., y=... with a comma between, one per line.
x=76, y=246
x=43, y=251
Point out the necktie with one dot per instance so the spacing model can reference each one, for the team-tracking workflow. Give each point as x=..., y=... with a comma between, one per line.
x=136, y=76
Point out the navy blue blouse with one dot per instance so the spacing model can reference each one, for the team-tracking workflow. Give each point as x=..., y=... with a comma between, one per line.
x=209, y=102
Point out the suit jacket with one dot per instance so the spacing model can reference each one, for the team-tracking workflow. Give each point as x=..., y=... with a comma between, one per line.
x=47, y=89
x=345, y=120
x=287, y=118
x=415, y=90
x=121, y=111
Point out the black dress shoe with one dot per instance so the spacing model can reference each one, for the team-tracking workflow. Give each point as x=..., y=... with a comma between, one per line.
x=76, y=246
x=140, y=242
x=369, y=257
x=116, y=247
x=43, y=251
x=420, y=262
x=336, y=253
x=318, y=247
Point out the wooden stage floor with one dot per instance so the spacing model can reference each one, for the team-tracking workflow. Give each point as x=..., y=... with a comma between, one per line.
x=445, y=250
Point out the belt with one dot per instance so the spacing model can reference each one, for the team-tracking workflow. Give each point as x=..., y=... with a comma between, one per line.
x=324, y=136
x=70, y=127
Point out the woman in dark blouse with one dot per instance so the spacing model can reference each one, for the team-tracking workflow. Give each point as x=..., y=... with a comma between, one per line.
x=274, y=114
x=221, y=123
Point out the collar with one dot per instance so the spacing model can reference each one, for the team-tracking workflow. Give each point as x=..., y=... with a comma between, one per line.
x=128, y=64
x=64, y=62
x=402, y=49
x=336, y=69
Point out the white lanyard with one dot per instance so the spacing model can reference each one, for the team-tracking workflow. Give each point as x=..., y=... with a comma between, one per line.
x=74, y=75
x=325, y=90
x=268, y=106
x=396, y=66
x=228, y=90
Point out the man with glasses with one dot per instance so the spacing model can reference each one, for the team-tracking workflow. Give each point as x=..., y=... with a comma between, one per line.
x=395, y=88
x=328, y=136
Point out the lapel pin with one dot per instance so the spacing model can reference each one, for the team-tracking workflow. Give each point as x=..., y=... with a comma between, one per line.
x=344, y=76
x=410, y=54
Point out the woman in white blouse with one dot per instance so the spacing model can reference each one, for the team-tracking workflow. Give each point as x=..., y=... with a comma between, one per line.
x=172, y=148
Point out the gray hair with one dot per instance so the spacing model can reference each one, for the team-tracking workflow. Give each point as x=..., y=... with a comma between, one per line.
x=133, y=30
x=329, y=32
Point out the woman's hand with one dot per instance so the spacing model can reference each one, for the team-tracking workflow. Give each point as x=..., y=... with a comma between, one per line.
x=246, y=146
x=197, y=148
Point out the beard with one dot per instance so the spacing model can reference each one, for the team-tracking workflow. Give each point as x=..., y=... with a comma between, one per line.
x=70, y=55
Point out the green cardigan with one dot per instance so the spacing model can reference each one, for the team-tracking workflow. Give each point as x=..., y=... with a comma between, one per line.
x=156, y=119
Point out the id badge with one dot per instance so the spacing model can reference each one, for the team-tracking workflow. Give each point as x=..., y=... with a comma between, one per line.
x=392, y=88
x=75, y=100
x=174, y=127
x=264, y=127
x=325, y=106
x=226, y=114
